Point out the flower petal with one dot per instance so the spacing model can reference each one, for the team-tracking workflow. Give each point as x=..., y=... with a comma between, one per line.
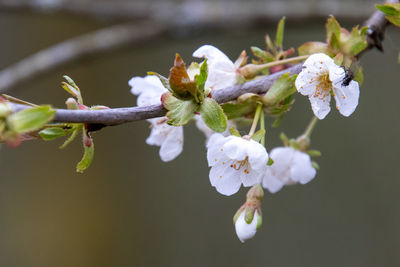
x=258, y=156
x=148, y=89
x=250, y=178
x=246, y=231
x=320, y=105
x=302, y=170
x=236, y=148
x=347, y=97
x=225, y=179
x=173, y=144
x=271, y=182
x=214, y=149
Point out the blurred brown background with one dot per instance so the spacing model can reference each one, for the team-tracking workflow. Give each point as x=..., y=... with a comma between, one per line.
x=131, y=209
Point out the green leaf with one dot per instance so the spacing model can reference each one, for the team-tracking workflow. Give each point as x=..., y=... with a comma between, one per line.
x=245, y=104
x=201, y=78
x=280, y=32
x=31, y=119
x=310, y=48
x=280, y=90
x=270, y=161
x=270, y=45
x=314, y=153
x=180, y=111
x=53, y=133
x=257, y=136
x=213, y=115
x=356, y=42
x=332, y=29
x=234, y=132
x=88, y=154
x=71, y=138
x=388, y=10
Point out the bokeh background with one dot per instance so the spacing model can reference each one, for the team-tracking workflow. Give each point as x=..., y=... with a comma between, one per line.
x=131, y=209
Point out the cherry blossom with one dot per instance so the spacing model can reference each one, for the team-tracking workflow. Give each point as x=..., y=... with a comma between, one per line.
x=169, y=138
x=235, y=161
x=320, y=79
x=290, y=167
x=244, y=230
x=221, y=70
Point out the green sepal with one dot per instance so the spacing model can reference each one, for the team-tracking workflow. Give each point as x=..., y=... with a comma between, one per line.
x=294, y=144
x=279, y=33
x=280, y=90
x=245, y=104
x=314, y=153
x=180, y=111
x=249, y=214
x=284, y=139
x=257, y=136
x=53, y=133
x=315, y=165
x=259, y=220
x=270, y=44
x=234, y=132
x=213, y=115
x=31, y=119
x=87, y=155
x=237, y=214
x=270, y=162
x=264, y=56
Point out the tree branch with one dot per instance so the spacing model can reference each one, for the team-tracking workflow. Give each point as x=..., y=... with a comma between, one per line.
x=377, y=25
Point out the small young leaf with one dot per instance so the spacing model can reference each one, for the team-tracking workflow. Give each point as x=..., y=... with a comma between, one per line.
x=53, y=133
x=201, y=78
x=284, y=139
x=180, y=111
x=164, y=81
x=257, y=136
x=314, y=153
x=213, y=115
x=388, y=10
x=281, y=89
x=279, y=33
x=88, y=154
x=315, y=165
x=270, y=162
x=332, y=29
x=31, y=119
x=180, y=82
x=234, y=132
x=71, y=138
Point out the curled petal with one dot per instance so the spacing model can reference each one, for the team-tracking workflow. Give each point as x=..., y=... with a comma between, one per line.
x=236, y=148
x=347, y=98
x=302, y=170
x=320, y=105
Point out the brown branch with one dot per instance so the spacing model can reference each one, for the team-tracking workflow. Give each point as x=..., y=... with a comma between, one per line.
x=85, y=45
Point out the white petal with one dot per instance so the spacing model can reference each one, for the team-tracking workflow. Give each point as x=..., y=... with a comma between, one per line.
x=225, y=179
x=236, y=148
x=212, y=54
x=319, y=61
x=347, y=97
x=149, y=90
x=258, y=156
x=214, y=149
x=200, y=124
x=302, y=170
x=173, y=144
x=250, y=178
x=271, y=182
x=306, y=83
x=244, y=230
x=159, y=131
x=320, y=105
x=336, y=74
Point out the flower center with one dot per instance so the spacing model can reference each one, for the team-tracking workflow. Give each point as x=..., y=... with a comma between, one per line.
x=242, y=164
x=324, y=86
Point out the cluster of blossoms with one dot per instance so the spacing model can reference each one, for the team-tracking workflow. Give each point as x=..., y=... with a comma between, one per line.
x=235, y=160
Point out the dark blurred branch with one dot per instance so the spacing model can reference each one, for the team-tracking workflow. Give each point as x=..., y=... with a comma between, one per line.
x=85, y=45
x=193, y=12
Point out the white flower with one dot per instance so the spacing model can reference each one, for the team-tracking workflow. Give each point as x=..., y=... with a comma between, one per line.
x=244, y=230
x=321, y=78
x=235, y=161
x=170, y=138
x=221, y=70
x=290, y=167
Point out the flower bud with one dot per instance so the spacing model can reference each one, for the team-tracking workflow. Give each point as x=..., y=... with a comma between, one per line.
x=248, y=218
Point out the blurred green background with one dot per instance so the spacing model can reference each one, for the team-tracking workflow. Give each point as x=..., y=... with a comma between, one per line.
x=131, y=209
